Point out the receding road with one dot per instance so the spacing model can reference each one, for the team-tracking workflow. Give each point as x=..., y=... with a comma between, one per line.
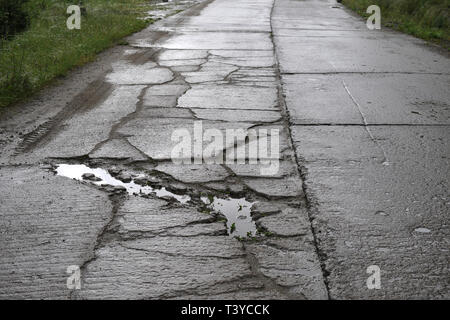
x=363, y=119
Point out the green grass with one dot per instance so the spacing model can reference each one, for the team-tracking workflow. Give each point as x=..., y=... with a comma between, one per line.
x=426, y=19
x=47, y=49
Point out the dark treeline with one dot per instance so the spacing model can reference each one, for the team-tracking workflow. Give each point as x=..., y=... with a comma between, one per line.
x=14, y=17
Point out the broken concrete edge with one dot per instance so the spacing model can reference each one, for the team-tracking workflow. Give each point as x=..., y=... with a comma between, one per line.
x=311, y=209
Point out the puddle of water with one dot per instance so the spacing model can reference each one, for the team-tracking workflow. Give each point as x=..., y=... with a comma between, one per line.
x=237, y=213
x=422, y=230
x=76, y=171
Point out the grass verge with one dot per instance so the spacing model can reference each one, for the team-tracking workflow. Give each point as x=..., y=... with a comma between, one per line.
x=426, y=19
x=47, y=49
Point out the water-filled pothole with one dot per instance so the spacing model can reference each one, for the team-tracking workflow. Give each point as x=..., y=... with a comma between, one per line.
x=237, y=213
x=104, y=178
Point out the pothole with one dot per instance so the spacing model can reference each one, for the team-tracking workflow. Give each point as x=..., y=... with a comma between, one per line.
x=101, y=177
x=237, y=212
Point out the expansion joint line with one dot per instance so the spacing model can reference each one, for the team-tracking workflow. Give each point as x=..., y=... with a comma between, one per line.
x=285, y=114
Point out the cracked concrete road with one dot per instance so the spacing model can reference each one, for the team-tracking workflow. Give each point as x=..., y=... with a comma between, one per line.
x=363, y=179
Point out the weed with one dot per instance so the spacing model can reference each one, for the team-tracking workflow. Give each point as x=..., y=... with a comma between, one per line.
x=47, y=49
x=426, y=19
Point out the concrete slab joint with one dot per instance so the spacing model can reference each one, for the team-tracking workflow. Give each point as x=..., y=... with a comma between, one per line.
x=90, y=181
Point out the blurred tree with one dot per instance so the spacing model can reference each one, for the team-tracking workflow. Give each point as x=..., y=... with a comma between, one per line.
x=13, y=17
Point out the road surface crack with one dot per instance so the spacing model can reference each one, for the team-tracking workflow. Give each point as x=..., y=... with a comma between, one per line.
x=301, y=170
